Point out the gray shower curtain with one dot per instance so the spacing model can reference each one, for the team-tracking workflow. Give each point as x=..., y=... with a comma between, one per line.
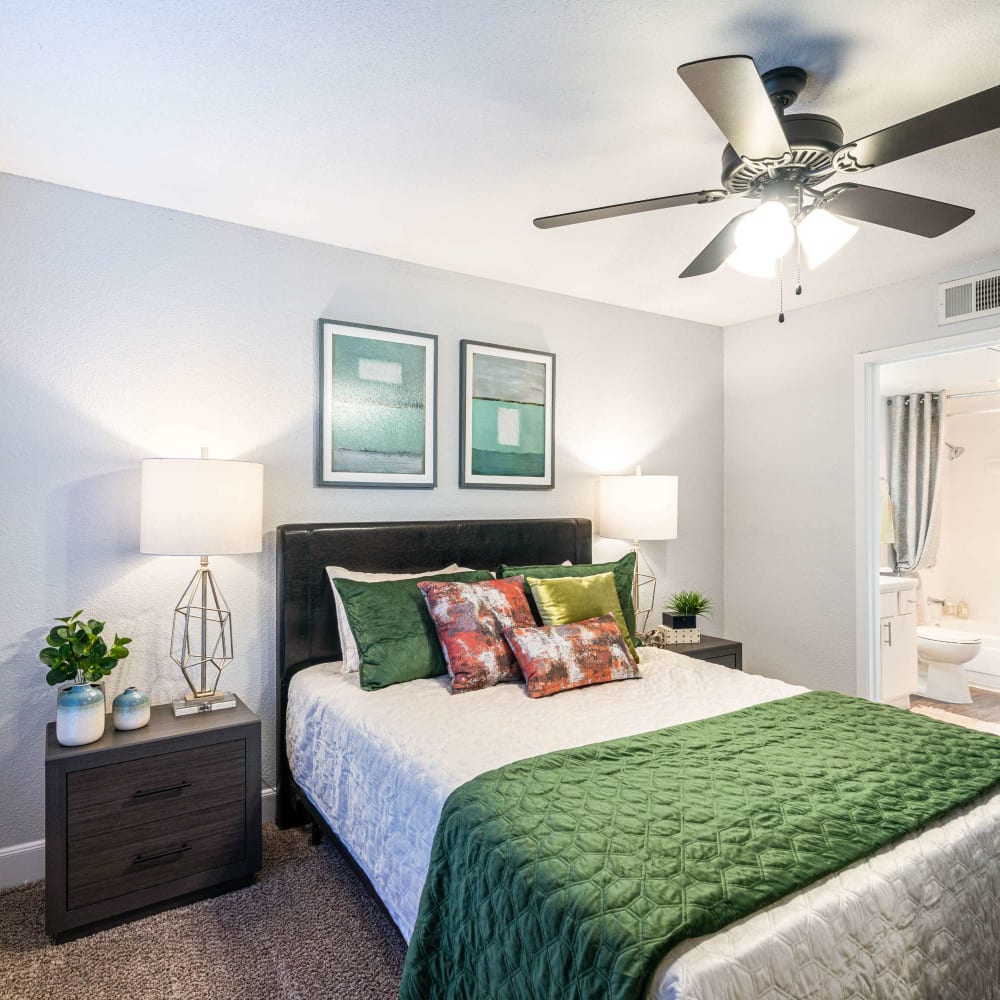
x=916, y=453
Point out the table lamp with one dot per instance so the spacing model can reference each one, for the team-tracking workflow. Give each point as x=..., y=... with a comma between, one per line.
x=201, y=507
x=639, y=508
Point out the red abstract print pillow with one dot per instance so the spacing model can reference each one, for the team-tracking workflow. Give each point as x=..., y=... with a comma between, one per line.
x=555, y=658
x=470, y=619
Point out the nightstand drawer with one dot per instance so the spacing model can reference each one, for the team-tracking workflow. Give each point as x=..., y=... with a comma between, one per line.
x=142, y=856
x=117, y=796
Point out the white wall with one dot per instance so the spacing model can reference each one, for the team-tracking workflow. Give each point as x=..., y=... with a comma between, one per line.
x=130, y=331
x=789, y=473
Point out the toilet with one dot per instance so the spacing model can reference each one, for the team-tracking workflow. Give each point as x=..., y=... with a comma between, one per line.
x=945, y=652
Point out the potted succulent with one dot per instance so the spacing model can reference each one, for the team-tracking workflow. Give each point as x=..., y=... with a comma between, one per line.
x=76, y=651
x=682, y=609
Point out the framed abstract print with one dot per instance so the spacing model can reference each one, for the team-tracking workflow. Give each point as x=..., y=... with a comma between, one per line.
x=507, y=432
x=378, y=407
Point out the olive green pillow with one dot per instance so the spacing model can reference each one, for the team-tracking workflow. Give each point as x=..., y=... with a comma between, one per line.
x=623, y=569
x=396, y=638
x=563, y=600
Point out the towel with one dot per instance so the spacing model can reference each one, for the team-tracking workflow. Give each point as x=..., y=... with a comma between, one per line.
x=887, y=528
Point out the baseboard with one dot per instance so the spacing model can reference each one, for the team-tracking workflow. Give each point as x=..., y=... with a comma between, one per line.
x=23, y=863
x=268, y=804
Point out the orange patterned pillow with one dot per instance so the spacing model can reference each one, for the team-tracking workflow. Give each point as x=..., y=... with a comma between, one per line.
x=556, y=658
x=470, y=619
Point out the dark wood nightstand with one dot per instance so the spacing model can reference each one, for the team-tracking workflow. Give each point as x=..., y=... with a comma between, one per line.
x=712, y=648
x=150, y=818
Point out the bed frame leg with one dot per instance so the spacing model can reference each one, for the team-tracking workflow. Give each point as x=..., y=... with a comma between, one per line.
x=315, y=834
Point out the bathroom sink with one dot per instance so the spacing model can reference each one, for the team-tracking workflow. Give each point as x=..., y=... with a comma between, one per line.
x=894, y=584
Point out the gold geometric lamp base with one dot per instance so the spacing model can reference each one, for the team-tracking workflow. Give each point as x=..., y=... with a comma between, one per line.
x=643, y=589
x=201, y=643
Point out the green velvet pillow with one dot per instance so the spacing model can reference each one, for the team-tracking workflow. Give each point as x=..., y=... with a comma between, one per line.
x=396, y=638
x=624, y=570
x=563, y=600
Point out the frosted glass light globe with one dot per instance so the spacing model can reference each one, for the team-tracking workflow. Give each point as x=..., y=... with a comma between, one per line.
x=752, y=264
x=766, y=232
x=822, y=234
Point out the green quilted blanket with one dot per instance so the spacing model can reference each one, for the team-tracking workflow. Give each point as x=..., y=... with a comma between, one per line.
x=572, y=874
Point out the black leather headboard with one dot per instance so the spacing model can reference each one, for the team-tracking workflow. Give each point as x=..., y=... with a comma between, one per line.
x=307, y=622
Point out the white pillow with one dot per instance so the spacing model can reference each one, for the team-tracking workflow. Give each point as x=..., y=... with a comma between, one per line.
x=348, y=644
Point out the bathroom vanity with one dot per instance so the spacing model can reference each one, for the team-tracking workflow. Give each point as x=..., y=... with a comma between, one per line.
x=898, y=638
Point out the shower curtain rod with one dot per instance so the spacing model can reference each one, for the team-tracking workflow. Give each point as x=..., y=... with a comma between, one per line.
x=969, y=395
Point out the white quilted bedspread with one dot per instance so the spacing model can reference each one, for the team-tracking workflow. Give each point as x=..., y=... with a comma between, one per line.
x=919, y=919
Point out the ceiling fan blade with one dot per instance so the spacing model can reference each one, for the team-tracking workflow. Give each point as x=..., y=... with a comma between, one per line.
x=907, y=212
x=715, y=254
x=629, y=208
x=730, y=90
x=959, y=120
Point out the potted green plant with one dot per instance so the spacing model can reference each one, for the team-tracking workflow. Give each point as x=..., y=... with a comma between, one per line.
x=684, y=607
x=75, y=651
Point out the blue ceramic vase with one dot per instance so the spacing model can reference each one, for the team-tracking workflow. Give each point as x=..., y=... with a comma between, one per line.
x=130, y=710
x=79, y=715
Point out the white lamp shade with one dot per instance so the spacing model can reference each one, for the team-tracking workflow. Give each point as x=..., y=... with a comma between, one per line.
x=201, y=507
x=638, y=507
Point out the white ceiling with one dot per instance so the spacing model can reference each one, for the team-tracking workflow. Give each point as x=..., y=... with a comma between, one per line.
x=435, y=131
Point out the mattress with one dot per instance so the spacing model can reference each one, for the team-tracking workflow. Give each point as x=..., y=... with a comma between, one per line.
x=916, y=919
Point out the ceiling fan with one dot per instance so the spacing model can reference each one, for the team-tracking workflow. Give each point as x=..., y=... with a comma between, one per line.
x=782, y=159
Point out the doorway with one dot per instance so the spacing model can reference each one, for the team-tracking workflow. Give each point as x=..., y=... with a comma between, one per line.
x=967, y=369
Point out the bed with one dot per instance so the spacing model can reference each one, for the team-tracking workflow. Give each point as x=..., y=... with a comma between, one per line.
x=915, y=919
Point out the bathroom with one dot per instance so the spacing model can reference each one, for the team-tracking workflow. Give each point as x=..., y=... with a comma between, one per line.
x=939, y=531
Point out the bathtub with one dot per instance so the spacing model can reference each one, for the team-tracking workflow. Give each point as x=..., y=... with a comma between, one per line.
x=984, y=670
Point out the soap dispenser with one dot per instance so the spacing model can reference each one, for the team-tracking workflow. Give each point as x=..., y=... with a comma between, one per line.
x=963, y=609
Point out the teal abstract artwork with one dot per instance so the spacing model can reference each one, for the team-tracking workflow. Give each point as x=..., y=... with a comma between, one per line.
x=378, y=403
x=508, y=416
x=378, y=407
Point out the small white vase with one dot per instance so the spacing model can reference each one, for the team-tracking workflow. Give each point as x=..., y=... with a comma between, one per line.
x=130, y=710
x=79, y=715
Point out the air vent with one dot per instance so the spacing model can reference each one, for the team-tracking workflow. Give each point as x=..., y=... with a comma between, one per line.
x=969, y=298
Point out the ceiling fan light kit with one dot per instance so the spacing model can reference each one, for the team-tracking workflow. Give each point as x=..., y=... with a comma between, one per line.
x=766, y=234
x=783, y=159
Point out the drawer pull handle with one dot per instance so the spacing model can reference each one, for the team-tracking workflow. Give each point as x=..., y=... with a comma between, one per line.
x=179, y=787
x=140, y=858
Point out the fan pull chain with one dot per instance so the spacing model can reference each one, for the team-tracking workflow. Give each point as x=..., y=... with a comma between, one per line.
x=798, y=264
x=781, y=289
x=798, y=248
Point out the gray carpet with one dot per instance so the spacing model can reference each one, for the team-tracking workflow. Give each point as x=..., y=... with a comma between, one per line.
x=306, y=930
